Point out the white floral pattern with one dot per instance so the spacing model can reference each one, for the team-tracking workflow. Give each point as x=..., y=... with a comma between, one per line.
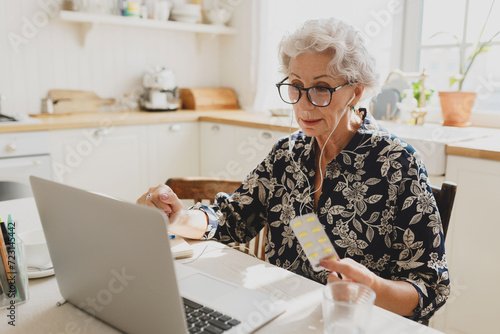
x=376, y=205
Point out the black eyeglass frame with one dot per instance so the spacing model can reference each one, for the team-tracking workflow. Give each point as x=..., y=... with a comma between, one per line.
x=300, y=89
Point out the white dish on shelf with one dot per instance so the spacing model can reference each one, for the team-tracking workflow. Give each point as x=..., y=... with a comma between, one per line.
x=188, y=9
x=186, y=18
x=40, y=273
x=218, y=16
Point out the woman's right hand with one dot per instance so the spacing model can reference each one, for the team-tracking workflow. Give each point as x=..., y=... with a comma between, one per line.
x=163, y=198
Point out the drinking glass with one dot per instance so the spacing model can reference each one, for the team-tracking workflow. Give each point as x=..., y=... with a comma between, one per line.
x=347, y=307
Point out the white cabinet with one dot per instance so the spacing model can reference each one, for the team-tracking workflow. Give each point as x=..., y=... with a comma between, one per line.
x=472, y=247
x=217, y=151
x=252, y=146
x=173, y=151
x=124, y=161
x=231, y=152
x=111, y=160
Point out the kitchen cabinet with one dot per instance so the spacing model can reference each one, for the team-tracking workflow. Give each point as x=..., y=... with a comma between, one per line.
x=217, y=151
x=231, y=152
x=252, y=146
x=124, y=161
x=111, y=160
x=173, y=151
x=472, y=248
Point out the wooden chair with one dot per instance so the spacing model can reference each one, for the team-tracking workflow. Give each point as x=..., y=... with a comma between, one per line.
x=445, y=196
x=201, y=188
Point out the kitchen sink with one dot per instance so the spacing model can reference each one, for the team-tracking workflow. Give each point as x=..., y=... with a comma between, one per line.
x=430, y=141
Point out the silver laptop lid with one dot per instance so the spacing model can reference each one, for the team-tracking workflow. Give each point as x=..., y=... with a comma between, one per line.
x=111, y=259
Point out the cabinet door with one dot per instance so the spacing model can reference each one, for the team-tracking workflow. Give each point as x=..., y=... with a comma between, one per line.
x=472, y=247
x=217, y=151
x=252, y=145
x=111, y=160
x=231, y=152
x=173, y=151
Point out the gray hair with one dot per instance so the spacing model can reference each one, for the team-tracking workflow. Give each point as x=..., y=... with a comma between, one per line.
x=350, y=58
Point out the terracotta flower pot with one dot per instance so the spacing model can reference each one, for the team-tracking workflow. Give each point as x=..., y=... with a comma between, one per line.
x=456, y=107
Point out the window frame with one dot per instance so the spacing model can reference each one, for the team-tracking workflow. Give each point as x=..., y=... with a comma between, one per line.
x=410, y=57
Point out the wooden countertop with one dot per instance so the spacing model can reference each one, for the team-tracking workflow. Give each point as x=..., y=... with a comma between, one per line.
x=99, y=119
x=482, y=148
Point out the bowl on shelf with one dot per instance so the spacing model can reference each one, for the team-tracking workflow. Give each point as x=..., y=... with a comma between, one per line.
x=190, y=13
x=218, y=16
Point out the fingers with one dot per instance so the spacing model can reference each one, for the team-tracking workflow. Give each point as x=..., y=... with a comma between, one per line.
x=334, y=277
x=161, y=197
x=349, y=270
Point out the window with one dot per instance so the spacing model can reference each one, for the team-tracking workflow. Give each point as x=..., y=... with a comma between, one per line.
x=440, y=54
x=379, y=20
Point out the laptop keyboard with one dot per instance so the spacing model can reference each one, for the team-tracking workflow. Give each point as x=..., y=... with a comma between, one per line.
x=201, y=319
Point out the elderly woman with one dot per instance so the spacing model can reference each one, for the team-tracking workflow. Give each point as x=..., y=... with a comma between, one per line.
x=368, y=188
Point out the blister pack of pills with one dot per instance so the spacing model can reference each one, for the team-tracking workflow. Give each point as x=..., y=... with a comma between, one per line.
x=313, y=239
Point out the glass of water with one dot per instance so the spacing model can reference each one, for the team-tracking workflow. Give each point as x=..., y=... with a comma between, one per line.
x=347, y=308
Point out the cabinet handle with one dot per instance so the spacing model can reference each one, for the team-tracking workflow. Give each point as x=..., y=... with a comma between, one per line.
x=12, y=147
x=174, y=127
x=20, y=164
x=215, y=128
x=101, y=133
x=267, y=135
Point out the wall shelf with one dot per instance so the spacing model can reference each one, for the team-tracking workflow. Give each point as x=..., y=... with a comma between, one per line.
x=88, y=22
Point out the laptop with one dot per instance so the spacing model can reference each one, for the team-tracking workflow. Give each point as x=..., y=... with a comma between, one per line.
x=112, y=259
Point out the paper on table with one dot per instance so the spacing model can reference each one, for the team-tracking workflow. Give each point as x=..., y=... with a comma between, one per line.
x=180, y=248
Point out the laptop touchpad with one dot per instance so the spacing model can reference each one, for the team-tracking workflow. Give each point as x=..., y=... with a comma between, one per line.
x=204, y=287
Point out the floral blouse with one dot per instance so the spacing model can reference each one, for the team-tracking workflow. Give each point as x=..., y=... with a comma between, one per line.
x=376, y=206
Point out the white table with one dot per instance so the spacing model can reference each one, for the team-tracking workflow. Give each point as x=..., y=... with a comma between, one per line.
x=41, y=315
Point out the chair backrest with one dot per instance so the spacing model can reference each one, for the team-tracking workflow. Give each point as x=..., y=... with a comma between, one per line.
x=445, y=196
x=203, y=188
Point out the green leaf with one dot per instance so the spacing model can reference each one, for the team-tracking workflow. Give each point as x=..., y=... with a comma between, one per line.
x=483, y=49
x=456, y=79
x=446, y=33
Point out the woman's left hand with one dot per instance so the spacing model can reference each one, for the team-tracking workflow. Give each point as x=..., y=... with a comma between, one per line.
x=350, y=270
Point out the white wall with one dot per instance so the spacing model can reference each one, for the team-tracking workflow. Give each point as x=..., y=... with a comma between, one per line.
x=251, y=63
x=110, y=64
x=112, y=61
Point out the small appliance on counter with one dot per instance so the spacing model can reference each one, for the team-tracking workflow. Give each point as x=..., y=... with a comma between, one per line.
x=160, y=90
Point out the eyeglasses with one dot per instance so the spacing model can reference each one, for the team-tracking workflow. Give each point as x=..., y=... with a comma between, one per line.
x=318, y=95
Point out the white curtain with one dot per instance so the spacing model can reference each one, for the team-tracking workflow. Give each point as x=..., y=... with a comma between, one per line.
x=275, y=18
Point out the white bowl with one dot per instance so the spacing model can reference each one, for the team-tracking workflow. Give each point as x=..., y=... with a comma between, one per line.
x=218, y=16
x=186, y=18
x=187, y=9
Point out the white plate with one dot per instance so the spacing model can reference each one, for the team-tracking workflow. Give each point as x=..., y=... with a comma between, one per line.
x=39, y=274
x=186, y=19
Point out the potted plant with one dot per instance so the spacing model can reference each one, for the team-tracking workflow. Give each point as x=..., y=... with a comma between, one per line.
x=456, y=105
